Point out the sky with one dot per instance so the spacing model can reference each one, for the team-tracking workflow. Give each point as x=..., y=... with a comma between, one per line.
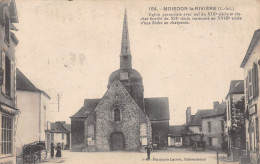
x=71, y=48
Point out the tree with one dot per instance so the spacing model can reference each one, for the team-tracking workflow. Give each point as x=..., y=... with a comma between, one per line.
x=238, y=122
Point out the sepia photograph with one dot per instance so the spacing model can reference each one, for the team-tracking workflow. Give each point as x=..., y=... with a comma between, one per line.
x=131, y=82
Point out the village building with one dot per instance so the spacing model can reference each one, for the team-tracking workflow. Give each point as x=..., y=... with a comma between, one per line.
x=8, y=110
x=213, y=126
x=34, y=104
x=175, y=135
x=122, y=120
x=251, y=64
x=193, y=128
x=58, y=133
x=235, y=101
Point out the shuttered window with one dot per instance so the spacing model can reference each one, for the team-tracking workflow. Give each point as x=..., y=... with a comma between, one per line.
x=8, y=71
x=253, y=88
x=255, y=80
x=7, y=30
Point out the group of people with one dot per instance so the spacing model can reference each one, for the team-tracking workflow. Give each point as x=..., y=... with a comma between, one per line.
x=58, y=150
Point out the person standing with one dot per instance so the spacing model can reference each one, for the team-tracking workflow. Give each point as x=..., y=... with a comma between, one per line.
x=58, y=150
x=148, y=151
x=52, y=150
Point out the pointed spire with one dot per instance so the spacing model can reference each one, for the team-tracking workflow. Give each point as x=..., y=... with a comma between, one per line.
x=125, y=56
x=125, y=45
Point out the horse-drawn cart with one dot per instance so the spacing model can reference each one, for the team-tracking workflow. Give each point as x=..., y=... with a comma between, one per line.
x=198, y=144
x=34, y=152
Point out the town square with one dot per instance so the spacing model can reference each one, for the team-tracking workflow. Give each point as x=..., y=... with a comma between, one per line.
x=86, y=81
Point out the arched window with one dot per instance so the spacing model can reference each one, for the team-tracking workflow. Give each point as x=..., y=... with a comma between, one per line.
x=117, y=114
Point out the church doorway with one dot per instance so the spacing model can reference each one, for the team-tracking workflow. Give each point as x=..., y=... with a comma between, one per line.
x=117, y=141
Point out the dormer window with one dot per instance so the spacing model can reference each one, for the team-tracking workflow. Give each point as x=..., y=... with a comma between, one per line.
x=117, y=115
x=7, y=30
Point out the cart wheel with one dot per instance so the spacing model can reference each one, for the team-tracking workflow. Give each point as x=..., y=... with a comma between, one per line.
x=39, y=153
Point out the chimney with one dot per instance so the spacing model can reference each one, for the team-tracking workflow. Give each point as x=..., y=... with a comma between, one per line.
x=188, y=115
x=215, y=105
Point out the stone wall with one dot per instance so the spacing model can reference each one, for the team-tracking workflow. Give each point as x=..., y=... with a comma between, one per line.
x=216, y=130
x=130, y=119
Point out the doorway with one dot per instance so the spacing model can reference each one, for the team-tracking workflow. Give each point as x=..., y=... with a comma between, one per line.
x=117, y=141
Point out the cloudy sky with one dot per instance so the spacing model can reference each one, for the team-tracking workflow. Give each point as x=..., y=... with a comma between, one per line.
x=71, y=47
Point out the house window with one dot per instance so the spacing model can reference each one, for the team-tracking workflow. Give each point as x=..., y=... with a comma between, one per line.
x=7, y=30
x=255, y=80
x=209, y=127
x=252, y=83
x=117, y=114
x=228, y=113
x=6, y=138
x=8, y=75
x=62, y=136
x=200, y=128
x=257, y=129
x=222, y=126
x=178, y=139
x=210, y=141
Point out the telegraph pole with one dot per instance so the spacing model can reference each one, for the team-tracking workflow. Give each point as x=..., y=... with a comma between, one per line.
x=59, y=102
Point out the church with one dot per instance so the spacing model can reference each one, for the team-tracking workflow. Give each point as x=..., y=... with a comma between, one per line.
x=122, y=120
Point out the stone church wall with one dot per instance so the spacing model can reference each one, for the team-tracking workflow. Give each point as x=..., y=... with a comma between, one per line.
x=129, y=124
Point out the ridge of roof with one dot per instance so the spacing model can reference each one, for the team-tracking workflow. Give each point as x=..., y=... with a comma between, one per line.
x=196, y=121
x=221, y=109
x=236, y=86
x=23, y=83
x=254, y=40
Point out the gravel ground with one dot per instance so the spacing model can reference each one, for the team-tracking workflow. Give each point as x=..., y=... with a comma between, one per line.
x=173, y=156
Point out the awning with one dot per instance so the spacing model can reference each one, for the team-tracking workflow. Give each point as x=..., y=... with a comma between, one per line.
x=9, y=109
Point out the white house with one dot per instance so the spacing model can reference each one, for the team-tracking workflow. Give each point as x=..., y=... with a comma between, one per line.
x=33, y=104
x=58, y=133
x=251, y=64
x=8, y=110
x=175, y=135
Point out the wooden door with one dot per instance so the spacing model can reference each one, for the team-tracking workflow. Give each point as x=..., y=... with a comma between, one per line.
x=117, y=141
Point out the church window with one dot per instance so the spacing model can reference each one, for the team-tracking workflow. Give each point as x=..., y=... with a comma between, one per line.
x=117, y=114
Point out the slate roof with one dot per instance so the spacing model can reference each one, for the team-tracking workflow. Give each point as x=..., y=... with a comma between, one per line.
x=89, y=106
x=221, y=109
x=23, y=83
x=67, y=127
x=255, y=39
x=157, y=108
x=176, y=130
x=60, y=127
x=236, y=86
x=196, y=121
x=57, y=129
